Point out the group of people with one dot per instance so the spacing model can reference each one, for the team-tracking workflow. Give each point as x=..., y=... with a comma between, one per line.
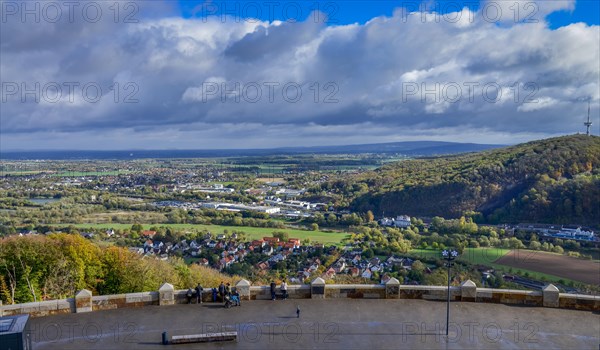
x=226, y=295
x=197, y=292
x=230, y=297
x=283, y=288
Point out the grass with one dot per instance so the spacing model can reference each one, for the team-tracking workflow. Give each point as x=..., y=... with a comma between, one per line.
x=252, y=232
x=424, y=253
x=540, y=276
x=20, y=173
x=90, y=173
x=483, y=256
x=475, y=256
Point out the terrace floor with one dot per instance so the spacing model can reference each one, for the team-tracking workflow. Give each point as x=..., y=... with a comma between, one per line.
x=325, y=324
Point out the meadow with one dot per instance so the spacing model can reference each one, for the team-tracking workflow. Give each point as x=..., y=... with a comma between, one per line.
x=252, y=232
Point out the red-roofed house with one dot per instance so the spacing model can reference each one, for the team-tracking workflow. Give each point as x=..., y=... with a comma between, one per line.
x=148, y=234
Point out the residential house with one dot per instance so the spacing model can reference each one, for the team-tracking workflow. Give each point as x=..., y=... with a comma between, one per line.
x=340, y=265
x=271, y=240
x=267, y=250
x=402, y=221
x=295, y=242
x=148, y=234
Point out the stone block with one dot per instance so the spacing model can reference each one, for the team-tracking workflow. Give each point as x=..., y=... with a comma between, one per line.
x=317, y=288
x=166, y=294
x=243, y=287
x=468, y=291
x=83, y=301
x=551, y=296
x=392, y=289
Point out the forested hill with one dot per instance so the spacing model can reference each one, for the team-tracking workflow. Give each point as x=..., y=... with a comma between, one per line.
x=554, y=180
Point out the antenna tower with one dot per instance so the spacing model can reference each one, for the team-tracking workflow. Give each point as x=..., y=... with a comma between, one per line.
x=588, y=123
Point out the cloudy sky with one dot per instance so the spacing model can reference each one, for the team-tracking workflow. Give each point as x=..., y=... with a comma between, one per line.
x=226, y=74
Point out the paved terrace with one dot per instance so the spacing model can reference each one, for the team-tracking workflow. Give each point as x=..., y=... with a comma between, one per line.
x=325, y=324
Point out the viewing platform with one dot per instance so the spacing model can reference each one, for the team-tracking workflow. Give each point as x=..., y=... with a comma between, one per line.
x=389, y=316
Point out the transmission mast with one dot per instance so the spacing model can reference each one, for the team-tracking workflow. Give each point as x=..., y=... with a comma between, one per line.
x=589, y=122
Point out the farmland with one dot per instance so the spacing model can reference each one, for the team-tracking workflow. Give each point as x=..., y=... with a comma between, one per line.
x=535, y=264
x=587, y=271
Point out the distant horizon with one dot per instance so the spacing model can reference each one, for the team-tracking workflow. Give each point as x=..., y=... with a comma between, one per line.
x=16, y=150
x=409, y=149
x=267, y=148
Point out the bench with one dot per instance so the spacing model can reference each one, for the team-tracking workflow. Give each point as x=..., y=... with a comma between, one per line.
x=204, y=338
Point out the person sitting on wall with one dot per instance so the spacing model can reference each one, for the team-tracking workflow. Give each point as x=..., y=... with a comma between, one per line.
x=235, y=298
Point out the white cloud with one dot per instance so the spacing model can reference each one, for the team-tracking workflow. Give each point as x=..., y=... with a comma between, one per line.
x=206, y=92
x=351, y=78
x=537, y=104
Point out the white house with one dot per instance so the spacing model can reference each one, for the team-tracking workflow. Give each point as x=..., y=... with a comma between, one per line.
x=402, y=221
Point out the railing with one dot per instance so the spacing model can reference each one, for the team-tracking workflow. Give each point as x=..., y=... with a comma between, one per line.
x=84, y=301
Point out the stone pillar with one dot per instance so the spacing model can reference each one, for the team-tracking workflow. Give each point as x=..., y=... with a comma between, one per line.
x=317, y=288
x=468, y=291
x=243, y=287
x=551, y=296
x=392, y=289
x=83, y=301
x=166, y=294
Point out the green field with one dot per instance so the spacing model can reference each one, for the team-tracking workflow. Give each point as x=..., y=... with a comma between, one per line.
x=483, y=256
x=252, y=232
x=21, y=173
x=488, y=257
x=90, y=173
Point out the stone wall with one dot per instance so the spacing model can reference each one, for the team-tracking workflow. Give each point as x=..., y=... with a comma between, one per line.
x=84, y=301
x=117, y=301
x=430, y=293
x=355, y=291
x=509, y=296
x=42, y=308
x=294, y=292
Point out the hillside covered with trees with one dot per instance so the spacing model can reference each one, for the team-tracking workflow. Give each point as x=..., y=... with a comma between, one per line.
x=554, y=180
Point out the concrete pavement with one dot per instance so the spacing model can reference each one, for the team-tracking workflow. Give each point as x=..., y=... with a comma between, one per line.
x=325, y=324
